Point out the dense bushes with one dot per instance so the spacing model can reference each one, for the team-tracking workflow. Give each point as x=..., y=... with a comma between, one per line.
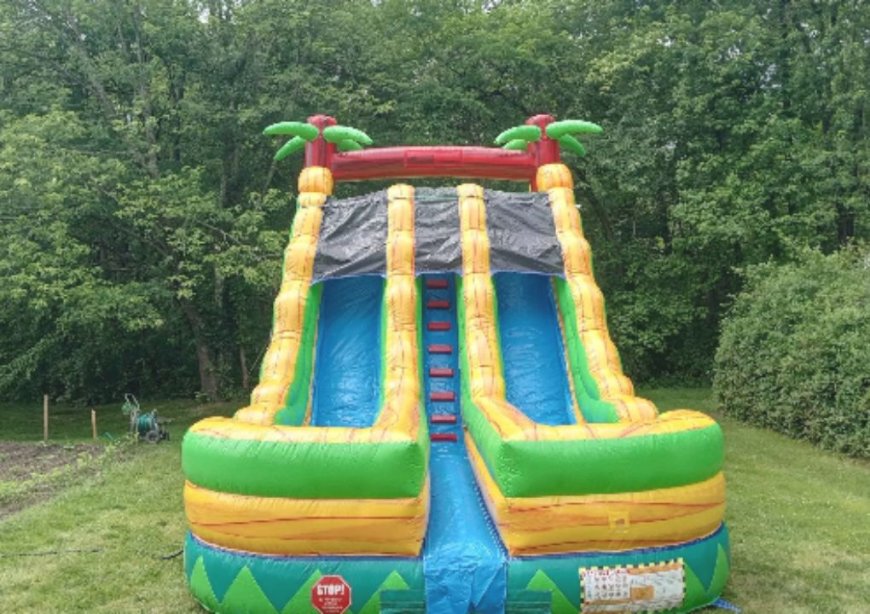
x=794, y=354
x=143, y=220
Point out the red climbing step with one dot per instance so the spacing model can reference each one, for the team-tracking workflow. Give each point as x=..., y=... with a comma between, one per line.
x=442, y=436
x=438, y=304
x=442, y=419
x=438, y=326
x=440, y=348
x=440, y=372
x=442, y=395
x=436, y=284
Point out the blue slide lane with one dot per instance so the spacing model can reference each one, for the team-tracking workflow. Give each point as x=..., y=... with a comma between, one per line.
x=347, y=368
x=464, y=561
x=532, y=349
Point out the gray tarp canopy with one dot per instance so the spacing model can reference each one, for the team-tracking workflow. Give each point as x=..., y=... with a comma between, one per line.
x=520, y=227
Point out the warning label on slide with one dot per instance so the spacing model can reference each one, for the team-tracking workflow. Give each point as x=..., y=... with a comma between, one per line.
x=632, y=588
x=331, y=595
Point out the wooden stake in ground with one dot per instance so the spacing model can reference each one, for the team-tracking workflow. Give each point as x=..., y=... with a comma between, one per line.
x=94, y=423
x=45, y=417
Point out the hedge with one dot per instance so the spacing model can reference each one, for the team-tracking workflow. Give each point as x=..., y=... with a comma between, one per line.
x=794, y=353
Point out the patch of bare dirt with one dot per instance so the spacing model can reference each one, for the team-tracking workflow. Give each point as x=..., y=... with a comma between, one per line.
x=23, y=461
x=34, y=472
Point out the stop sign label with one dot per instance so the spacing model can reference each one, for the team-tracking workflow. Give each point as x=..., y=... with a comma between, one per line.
x=331, y=595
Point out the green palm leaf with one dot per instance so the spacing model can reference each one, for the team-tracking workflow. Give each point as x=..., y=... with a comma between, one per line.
x=295, y=144
x=572, y=145
x=349, y=145
x=517, y=145
x=337, y=134
x=557, y=130
x=300, y=129
x=527, y=133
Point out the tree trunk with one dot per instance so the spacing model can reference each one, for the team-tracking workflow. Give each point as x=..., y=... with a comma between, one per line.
x=243, y=365
x=207, y=378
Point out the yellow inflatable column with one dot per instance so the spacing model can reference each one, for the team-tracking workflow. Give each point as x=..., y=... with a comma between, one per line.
x=601, y=354
x=402, y=376
x=308, y=527
x=485, y=378
x=279, y=362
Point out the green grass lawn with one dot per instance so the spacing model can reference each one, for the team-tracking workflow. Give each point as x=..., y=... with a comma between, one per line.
x=127, y=504
x=799, y=518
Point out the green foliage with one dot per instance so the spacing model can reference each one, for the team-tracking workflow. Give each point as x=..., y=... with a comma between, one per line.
x=721, y=150
x=143, y=218
x=795, y=348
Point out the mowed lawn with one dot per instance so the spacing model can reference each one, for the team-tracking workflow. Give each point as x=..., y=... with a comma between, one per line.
x=88, y=536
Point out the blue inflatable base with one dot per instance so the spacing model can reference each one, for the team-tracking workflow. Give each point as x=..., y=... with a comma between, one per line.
x=231, y=581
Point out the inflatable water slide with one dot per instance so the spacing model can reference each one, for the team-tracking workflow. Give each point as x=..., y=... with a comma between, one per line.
x=441, y=422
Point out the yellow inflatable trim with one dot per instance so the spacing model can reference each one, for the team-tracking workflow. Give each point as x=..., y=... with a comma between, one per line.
x=543, y=525
x=485, y=376
x=601, y=354
x=279, y=362
x=399, y=418
x=291, y=526
x=302, y=527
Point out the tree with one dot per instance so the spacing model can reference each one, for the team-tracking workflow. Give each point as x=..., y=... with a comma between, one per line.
x=734, y=133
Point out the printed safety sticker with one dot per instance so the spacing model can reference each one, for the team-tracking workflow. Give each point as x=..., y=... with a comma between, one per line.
x=632, y=588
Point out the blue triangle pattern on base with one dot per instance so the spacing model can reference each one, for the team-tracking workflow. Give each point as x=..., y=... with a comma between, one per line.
x=280, y=577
